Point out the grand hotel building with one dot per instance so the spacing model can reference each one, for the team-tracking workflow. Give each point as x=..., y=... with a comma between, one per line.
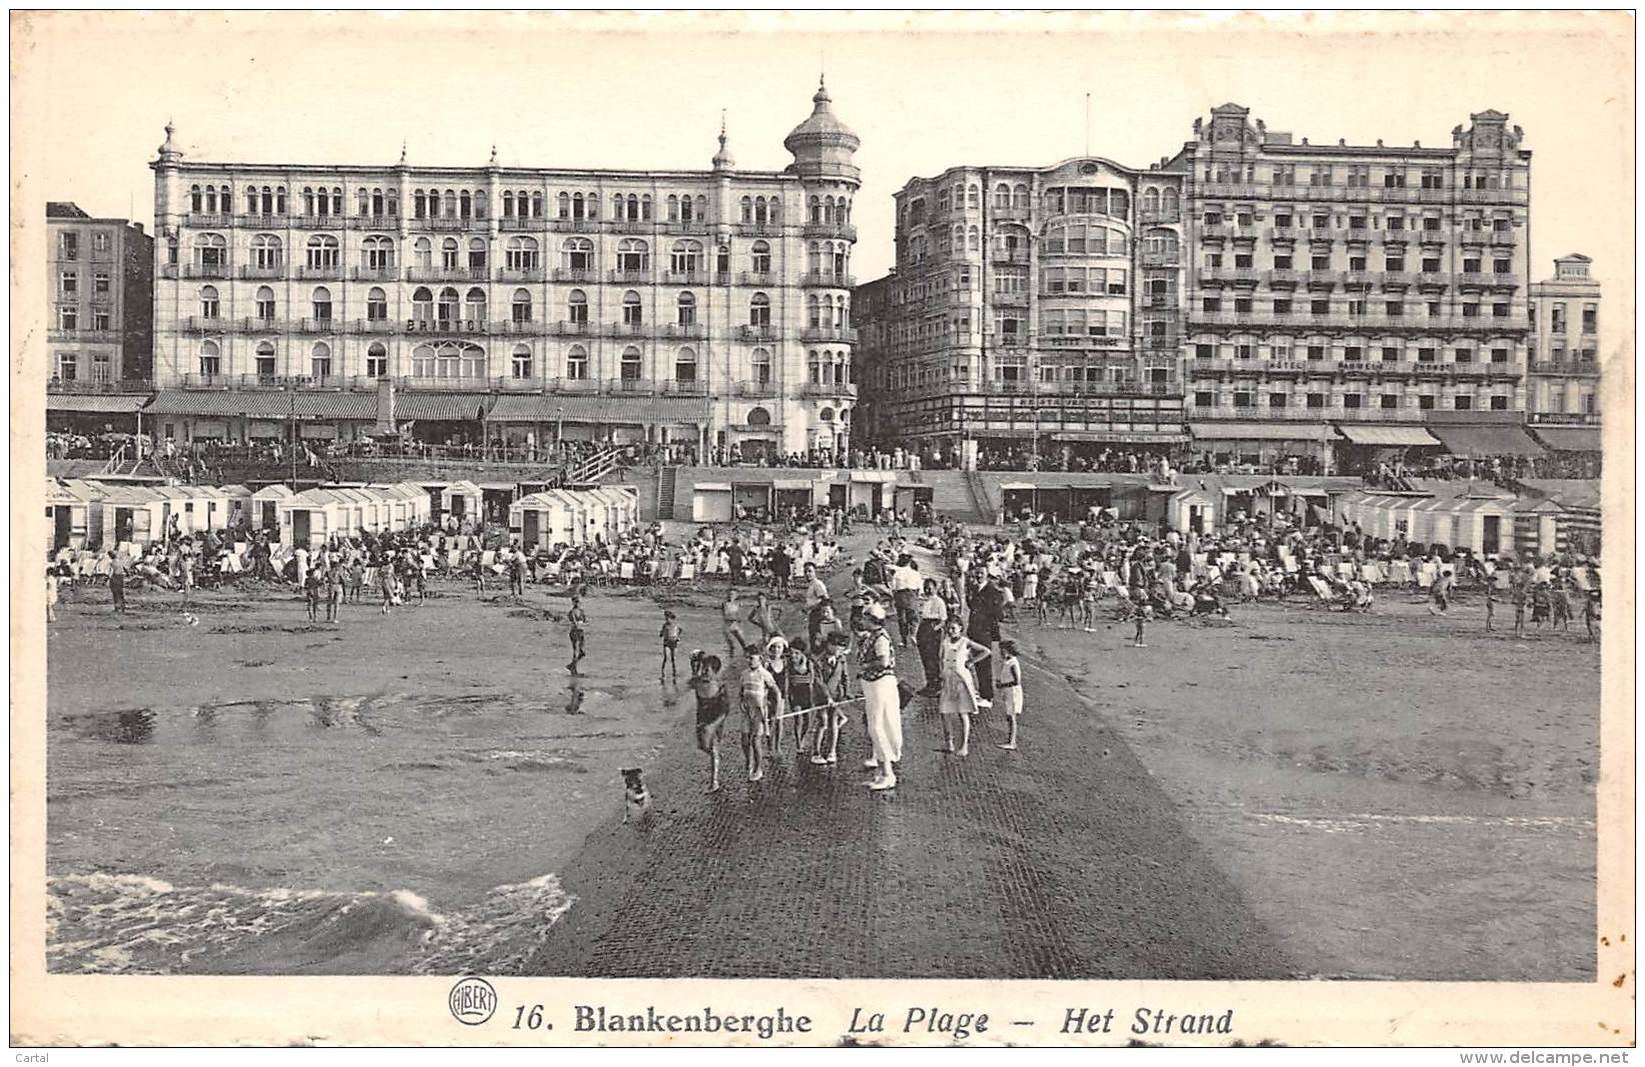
x=705, y=307
x=1267, y=297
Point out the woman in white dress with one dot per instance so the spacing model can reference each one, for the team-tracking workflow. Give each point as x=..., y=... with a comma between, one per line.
x=959, y=687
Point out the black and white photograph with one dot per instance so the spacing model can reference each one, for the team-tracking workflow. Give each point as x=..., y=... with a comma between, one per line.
x=1043, y=498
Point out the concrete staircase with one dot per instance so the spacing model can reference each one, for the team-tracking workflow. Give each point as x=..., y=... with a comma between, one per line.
x=957, y=495
x=665, y=492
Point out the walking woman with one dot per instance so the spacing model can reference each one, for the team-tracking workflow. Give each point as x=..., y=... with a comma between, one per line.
x=959, y=687
x=928, y=638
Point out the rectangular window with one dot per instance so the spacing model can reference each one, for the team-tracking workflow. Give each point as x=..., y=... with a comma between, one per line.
x=1499, y=403
x=1353, y=400
x=68, y=246
x=1499, y=355
x=99, y=320
x=1427, y=355
x=1395, y=309
x=1242, y=400
x=1205, y=351
x=1388, y=401
x=1499, y=311
x=1590, y=319
x=1396, y=222
x=1242, y=304
x=1316, y=352
x=1283, y=262
x=1390, y=354
x=1243, y=261
x=1282, y=306
x=1321, y=262
x=1426, y=403
x=1276, y=400
x=1244, y=351
x=68, y=366
x=1470, y=311
x=1356, y=262
x=1319, y=307
x=68, y=318
x=69, y=284
x=1212, y=303
x=100, y=283
x=1353, y=354
x=1465, y=355
x=1203, y=400
x=521, y=365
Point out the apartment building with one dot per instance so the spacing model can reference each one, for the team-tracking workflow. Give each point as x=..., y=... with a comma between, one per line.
x=510, y=303
x=100, y=278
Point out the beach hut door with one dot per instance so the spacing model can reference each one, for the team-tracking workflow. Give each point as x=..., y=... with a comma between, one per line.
x=528, y=529
x=64, y=519
x=1492, y=542
x=271, y=519
x=122, y=525
x=299, y=527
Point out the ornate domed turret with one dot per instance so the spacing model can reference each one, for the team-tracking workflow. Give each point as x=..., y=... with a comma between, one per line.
x=723, y=159
x=169, y=152
x=822, y=145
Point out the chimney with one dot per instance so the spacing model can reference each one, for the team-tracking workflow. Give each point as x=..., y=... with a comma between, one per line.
x=385, y=406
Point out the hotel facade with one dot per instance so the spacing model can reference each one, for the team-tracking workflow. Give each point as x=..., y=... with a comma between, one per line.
x=707, y=308
x=100, y=277
x=1254, y=299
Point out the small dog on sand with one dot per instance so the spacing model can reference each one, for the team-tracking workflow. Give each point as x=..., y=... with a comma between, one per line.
x=636, y=799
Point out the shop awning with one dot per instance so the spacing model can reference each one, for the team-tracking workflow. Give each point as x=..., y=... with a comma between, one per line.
x=628, y=410
x=1569, y=438
x=1260, y=431
x=438, y=407
x=1486, y=440
x=1389, y=436
x=272, y=404
x=95, y=404
x=799, y=484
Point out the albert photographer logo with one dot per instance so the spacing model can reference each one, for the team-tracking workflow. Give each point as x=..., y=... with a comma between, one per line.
x=472, y=1001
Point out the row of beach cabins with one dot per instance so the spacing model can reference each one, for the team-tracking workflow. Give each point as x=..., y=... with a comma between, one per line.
x=88, y=515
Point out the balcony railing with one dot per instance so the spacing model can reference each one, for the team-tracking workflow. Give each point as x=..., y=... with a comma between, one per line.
x=1009, y=299
x=332, y=272
x=841, y=230
x=517, y=328
x=200, y=324
x=377, y=326
x=199, y=220
x=85, y=387
x=1504, y=238
x=766, y=279
x=443, y=224
x=756, y=389
x=441, y=274
x=756, y=333
x=831, y=390
x=759, y=229
x=516, y=224
x=387, y=273
x=84, y=335
x=625, y=329
x=521, y=274
x=318, y=222
x=377, y=222
x=843, y=334
x=684, y=332
x=828, y=279
x=206, y=270
x=1172, y=258
x=1160, y=215
x=570, y=329
x=630, y=277
x=1487, y=280
x=581, y=277
x=253, y=272
x=1573, y=368
x=316, y=326
x=685, y=277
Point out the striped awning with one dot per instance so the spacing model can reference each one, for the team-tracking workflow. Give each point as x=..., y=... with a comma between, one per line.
x=1484, y=439
x=629, y=410
x=438, y=407
x=96, y=403
x=1392, y=436
x=272, y=404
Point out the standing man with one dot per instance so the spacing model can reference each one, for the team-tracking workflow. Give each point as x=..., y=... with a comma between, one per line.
x=877, y=668
x=905, y=592
x=117, y=580
x=578, y=618
x=933, y=617
x=983, y=627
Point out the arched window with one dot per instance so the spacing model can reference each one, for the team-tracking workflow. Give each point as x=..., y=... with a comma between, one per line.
x=813, y=316
x=1002, y=197
x=378, y=253
x=576, y=363
x=634, y=207
x=450, y=199
x=377, y=361
x=477, y=255
x=578, y=206
x=265, y=303
x=508, y=204
x=336, y=200
x=973, y=196
x=686, y=308
x=445, y=311
x=474, y=307
x=196, y=201
x=686, y=257
x=422, y=306
x=210, y=308
x=481, y=208
x=522, y=254
x=450, y=254
x=617, y=211
x=747, y=213
x=323, y=253
x=211, y=200
x=759, y=417
x=813, y=364
x=1150, y=201
x=632, y=312
x=674, y=207
x=813, y=258
x=211, y=359
x=576, y=307
x=280, y=200
x=423, y=253
x=760, y=257
x=268, y=200
x=265, y=252
x=363, y=201
x=522, y=305
x=448, y=359
x=633, y=256
x=645, y=208
x=815, y=204
x=320, y=360
x=631, y=364
x=563, y=201
x=577, y=254
x=265, y=360
x=760, y=212
x=592, y=203
x=685, y=365
x=973, y=241
x=251, y=200
x=419, y=204
x=520, y=365
x=377, y=305
x=321, y=304
x=759, y=366
x=210, y=251
x=759, y=311
x=1170, y=200
x=537, y=205
x=392, y=203
x=1019, y=197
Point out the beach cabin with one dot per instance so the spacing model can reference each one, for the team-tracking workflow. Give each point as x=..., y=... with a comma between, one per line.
x=711, y=502
x=239, y=504
x=574, y=515
x=211, y=505
x=1188, y=510
x=265, y=507
x=88, y=510
x=793, y=493
x=463, y=501
x=65, y=515
x=309, y=517
x=622, y=508
x=410, y=505
x=131, y=515
x=535, y=519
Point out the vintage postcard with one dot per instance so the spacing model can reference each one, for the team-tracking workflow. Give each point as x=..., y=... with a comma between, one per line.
x=898, y=529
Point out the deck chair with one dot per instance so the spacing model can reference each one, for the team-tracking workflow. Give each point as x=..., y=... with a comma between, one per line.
x=626, y=571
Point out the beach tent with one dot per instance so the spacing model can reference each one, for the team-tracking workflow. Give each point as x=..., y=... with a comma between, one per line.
x=265, y=506
x=463, y=501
